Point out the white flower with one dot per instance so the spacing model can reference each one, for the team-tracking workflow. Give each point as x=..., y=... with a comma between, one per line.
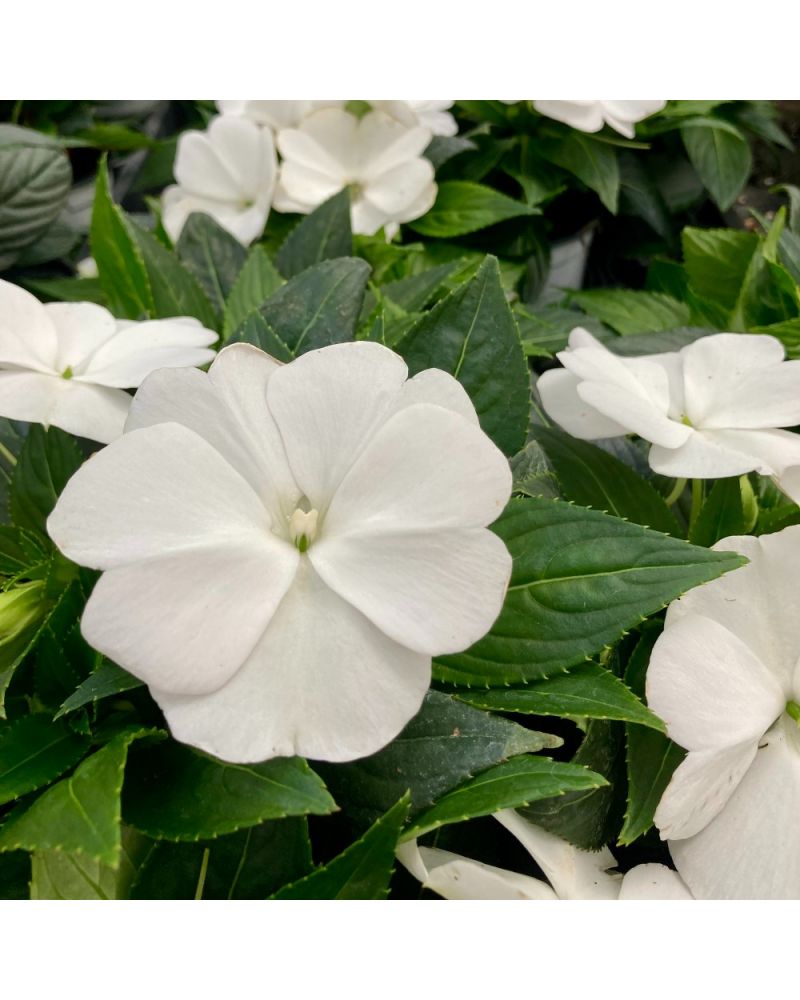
x=275, y=114
x=591, y=116
x=286, y=546
x=228, y=172
x=433, y=115
x=710, y=410
x=571, y=872
x=725, y=677
x=379, y=159
x=87, y=268
x=68, y=363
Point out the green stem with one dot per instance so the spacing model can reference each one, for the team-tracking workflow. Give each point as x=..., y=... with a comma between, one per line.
x=16, y=112
x=697, y=502
x=677, y=490
x=201, y=881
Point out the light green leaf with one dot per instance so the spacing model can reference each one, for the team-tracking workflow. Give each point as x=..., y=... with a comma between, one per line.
x=506, y=786
x=721, y=156
x=360, y=872
x=107, y=680
x=322, y=235
x=580, y=580
x=213, y=256
x=463, y=207
x=472, y=335
x=716, y=262
x=629, y=311
x=175, y=793
x=61, y=875
x=34, y=751
x=257, y=280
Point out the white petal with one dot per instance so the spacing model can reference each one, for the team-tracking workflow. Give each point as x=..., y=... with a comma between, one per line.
x=396, y=189
x=366, y=219
x=81, y=328
x=700, y=787
x=323, y=683
x=324, y=141
x=157, y=492
x=90, y=411
x=137, y=349
x=244, y=223
x=427, y=468
x=327, y=403
x=227, y=408
x=27, y=335
x=639, y=414
x=453, y=877
x=750, y=851
x=276, y=114
x=718, y=454
x=709, y=687
x=440, y=388
x=558, y=389
x=789, y=481
x=302, y=188
x=653, y=882
x=757, y=602
x=233, y=160
x=435, y=592
x=383, y=143
x=573, y=873
x=584, y=115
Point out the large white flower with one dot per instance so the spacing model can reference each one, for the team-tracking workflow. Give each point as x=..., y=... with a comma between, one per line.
x=433, y=115
x=68, y=363
x=275, y=114
x=591, y=116
x=379, y=159
x=725, y=677
x=286, y=546
x=228, y=172
x=710, y=410
x=571, y=873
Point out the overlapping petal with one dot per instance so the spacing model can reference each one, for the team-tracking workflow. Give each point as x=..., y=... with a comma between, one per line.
x=28, y=338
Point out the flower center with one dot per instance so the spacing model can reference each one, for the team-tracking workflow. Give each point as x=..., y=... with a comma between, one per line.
x=68, y=372
x=303, y=527
x=793, y=711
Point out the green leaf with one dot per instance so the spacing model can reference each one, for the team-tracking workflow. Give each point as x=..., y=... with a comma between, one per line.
x=65, y=289
x=587, y=691
x=641, y=198
x=61, y=875
x=547, y=330
x=322, y=235
x=213, y=256
x=472, y=335
x=580, y=580
x=12, y=437
x=592, y=161
x=107, y=680
x=594, y=478
x=463, y=207
x=657, y=343
x=257, y=280
x=80, y=814
x=46, y=462
x=20, y=550
x=629, y=311
x=175, y=793
x=730, y=509
x=721, y=156
x=15, y=875
x=123, y=276
x=533, y=475
x=34, y=751
x=319, y=307
x=716, y=262
x=443, y=745
x=35, y=179
x=360, y=872
x=506, y=786
x=415, y=292
x=250, y=864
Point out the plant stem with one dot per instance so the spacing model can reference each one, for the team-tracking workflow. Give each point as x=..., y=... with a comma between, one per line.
x=677, y=489
x=201, y=881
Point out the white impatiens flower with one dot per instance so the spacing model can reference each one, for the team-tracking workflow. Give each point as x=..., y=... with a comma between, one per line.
x=433, y=115
x=285, y=547
x=275, y=114
x=227, y=172
x=725, y=677
x=379, y=159
x=591, y=116
x=571, y=873
x=68, y=363
x=710, y=410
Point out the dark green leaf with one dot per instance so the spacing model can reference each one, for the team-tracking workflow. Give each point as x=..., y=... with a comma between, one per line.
x=580, y=580
x=592, y=161
x=721, y=156
x=213, y=256
x=20, y=550
x=547, y=330
x=731, y=509
x=656, y=343
x=257, y=280
x=322, y=235
x=506, y=786
x=174, y=793
x=472, y=335
x=629, y=311
x=33, y=751
x=47, y=460
x=362, y=871
x=107, y=680
x=415, y=292
x=12, y=437
x=463, y=207
x=533, y=475
x=15, y=875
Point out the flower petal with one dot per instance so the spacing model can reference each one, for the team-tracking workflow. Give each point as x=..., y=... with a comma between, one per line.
x=750, y=850
x=653, y=882
x=327, y=403
x=384, y=143
x=228, y=408
x=323, y=683
x=137, y=349
x=302, y=188
x=435, y=592
x=440, y=388
x=709, y=687
x=700, y=788
x=27, y=335
x=395, y=189
x=82, y=327
x=455, y=877
x=426, y=469
x=584, y=115
x=756, y=602
x=717, y=454
x=90, y=411
x=558, y=389
x=324, y=141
